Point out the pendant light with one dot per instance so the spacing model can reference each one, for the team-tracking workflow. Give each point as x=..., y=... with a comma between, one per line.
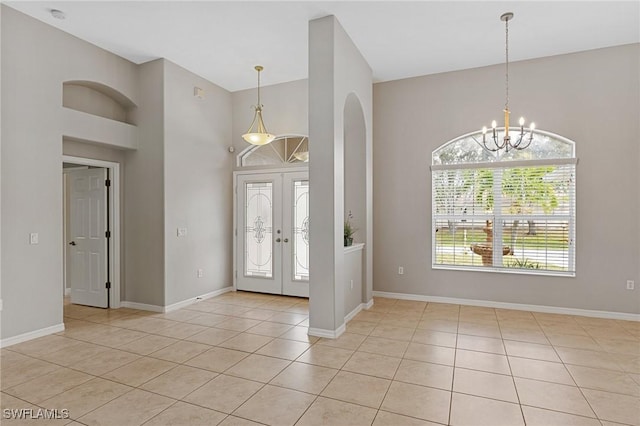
x=257, y=133
x=524, y=138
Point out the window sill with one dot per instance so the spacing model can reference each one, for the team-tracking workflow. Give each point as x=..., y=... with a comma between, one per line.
x=506, y=271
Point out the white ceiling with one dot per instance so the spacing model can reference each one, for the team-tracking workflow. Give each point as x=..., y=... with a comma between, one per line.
x=223, y=40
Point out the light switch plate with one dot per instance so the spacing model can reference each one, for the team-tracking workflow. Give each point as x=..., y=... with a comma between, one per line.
x=33, y=238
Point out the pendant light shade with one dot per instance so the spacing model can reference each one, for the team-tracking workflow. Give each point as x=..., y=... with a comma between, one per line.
x=257, y=133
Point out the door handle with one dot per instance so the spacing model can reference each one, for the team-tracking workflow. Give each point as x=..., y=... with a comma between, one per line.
x=278, y=240
x=72, y=243
x=286, y=240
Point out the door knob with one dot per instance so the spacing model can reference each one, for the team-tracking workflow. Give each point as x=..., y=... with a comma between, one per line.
x=278, y=240
x=286, y=240
x=72, y=243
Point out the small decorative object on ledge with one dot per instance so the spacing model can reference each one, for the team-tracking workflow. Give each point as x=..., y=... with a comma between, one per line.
x=349, y=230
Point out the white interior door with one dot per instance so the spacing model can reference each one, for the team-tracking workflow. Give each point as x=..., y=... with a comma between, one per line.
x=87, y=250
x=272, y=233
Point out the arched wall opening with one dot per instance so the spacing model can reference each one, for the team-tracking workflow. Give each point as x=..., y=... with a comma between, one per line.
x=355, y=165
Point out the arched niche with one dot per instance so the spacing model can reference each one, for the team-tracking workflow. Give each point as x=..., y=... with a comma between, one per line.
x=282, y=151
x=98, y=99
x=355, y=172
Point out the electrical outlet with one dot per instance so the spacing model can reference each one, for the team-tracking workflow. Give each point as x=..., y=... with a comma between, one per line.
x=351, y=284
x=631, y=285
x=400, y=270
x=182, y=232
x=200, y=273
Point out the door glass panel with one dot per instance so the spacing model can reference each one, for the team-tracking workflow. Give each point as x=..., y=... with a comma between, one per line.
x=301, y=230
x=258, y=235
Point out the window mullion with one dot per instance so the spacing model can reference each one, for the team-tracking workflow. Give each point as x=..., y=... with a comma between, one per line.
x=497, y=217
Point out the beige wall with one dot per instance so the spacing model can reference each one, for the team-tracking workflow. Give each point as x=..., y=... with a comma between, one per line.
x=176, y=168
x=144, y=194
x=197, y=185
x=591, y=98
x=33, y=71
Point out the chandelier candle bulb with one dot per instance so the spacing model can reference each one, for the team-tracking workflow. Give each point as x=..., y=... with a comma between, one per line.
x=521, y=121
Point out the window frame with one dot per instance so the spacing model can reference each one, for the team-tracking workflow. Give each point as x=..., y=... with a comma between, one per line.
x=498, y=217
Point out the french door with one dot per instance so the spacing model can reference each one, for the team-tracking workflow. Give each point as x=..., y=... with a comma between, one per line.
x=272, y=235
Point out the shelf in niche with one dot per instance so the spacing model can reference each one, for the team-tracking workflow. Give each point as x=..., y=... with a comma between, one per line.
x=98, y=100
x=81, y=126
x=355, y=247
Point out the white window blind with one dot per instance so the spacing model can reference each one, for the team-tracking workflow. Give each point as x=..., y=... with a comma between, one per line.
x=515, y=216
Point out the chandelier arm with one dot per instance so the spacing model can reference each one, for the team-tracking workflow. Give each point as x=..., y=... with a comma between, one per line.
x=255, y=117
x=519, y=142
x=483, y=145
x=530, y=139
x=502, y=145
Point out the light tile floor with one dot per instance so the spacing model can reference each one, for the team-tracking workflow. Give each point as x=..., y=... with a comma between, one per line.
x=243, y=358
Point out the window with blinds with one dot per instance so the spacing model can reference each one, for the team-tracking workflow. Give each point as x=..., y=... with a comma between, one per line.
x=513, y=212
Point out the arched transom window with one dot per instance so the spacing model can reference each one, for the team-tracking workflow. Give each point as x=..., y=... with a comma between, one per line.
x=506, y=211
x=284, y=150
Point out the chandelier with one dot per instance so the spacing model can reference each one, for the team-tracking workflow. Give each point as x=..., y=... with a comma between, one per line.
x=257, y=133
x=524, y=138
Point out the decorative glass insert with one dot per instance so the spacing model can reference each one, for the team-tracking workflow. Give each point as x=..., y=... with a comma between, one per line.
x=301, y=230
x=258, y=232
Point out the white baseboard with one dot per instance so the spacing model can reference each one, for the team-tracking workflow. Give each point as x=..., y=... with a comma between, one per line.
x=353, y=313
x=177, y=305
x=515, y=306
x=182, y=304
x=369, y=304
x=328, y=334
x=67, y=291
x=31, y=335
x=142, y=306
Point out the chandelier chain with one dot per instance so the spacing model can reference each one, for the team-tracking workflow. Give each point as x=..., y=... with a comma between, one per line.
x=506, y=53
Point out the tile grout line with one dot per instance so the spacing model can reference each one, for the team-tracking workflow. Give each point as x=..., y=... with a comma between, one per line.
x=513, y=379
x=453, y=374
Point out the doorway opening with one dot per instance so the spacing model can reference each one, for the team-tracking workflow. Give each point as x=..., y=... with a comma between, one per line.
x=91, y=232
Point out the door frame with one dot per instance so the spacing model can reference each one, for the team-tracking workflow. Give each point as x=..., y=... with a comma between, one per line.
x=252, y=171
x=114, y=216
